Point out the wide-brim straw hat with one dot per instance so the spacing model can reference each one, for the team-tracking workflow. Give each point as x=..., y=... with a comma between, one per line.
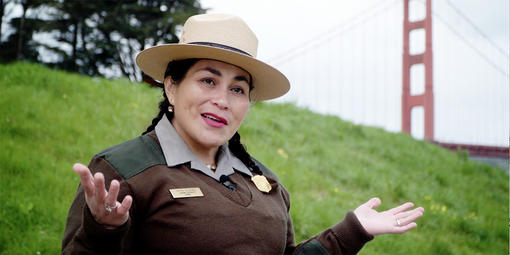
x=220, y=37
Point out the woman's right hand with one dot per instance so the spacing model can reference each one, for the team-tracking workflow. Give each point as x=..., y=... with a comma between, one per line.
x=98, y=198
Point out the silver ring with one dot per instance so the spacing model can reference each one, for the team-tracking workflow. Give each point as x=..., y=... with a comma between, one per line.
x=110, y=208
x=398, y=223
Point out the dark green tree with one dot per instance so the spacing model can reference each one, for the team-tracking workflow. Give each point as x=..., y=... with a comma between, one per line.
x=20, y=44
x=3, y=3
x=23, y=32
x=104, y=36
x=95, y=37
x=68, y=28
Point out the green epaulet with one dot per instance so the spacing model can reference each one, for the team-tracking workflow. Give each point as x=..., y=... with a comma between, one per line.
x=134, y=156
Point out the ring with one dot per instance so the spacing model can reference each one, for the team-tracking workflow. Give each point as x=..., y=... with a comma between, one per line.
x=109, y=208
x=398, y=223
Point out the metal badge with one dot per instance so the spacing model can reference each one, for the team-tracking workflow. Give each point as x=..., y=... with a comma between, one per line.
x=261, y=183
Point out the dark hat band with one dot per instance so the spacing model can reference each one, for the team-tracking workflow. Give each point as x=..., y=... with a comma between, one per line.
x=222, y=46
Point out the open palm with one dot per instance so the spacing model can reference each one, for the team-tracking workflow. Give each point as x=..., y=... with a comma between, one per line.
x=396, y=220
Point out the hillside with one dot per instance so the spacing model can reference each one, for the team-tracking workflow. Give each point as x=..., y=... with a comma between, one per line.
x=51, y=119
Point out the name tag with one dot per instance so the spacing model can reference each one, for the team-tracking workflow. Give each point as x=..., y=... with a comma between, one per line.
x=186, y=192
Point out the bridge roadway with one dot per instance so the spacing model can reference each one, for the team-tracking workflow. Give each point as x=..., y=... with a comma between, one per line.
x=493, y=155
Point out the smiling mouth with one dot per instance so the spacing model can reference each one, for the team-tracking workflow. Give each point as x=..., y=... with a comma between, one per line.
x=214, y=118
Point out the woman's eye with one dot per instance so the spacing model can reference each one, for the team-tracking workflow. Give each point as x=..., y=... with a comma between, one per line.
x=208, y=81
x=238, y=90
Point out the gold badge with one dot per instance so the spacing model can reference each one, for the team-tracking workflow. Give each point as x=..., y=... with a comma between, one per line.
x=186, y=192
x=261, y=183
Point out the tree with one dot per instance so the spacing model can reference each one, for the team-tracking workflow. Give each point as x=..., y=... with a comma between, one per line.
x=25, y=4
x=96, y=37
x=3, y=4
x=131, y=26
x=67, y=25
x=106, y=34
x=21, y=45
x=2, y=8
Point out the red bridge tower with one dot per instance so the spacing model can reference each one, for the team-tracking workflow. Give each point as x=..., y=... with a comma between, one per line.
x=427, y=98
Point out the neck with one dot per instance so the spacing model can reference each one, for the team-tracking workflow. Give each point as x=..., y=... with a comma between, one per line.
x=206, y=154
x=208, y=157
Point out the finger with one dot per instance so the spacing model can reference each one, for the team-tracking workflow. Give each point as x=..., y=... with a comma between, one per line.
x=411, y=217
x=125, y=205
x=99, y=190
x=113, y=192
x=405, y=228
x=401, y=208
x=373, y=202
x=86, y=179
x=407, y=213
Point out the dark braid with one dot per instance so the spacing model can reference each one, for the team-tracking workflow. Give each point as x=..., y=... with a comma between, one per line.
x=238, y=149
x=177, y=69
x=163, y=109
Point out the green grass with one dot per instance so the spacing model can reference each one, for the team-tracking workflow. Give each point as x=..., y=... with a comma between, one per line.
x=51, y=119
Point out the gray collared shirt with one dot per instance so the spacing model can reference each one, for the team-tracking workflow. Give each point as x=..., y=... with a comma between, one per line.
x=176, y=152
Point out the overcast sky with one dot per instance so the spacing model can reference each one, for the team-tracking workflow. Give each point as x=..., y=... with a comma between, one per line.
x=471, y=96
x=279, y=23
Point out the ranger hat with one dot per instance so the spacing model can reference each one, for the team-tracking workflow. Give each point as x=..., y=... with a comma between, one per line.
x=220, y=37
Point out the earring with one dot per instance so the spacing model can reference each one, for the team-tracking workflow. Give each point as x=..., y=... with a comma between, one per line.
x=171, y=108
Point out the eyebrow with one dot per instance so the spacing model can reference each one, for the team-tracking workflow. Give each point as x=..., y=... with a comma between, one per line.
x=217, y=72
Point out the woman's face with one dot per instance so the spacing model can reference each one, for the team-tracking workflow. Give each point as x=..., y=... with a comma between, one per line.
x=210, y=103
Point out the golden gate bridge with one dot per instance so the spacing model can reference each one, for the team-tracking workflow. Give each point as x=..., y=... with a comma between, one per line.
x=409, y=66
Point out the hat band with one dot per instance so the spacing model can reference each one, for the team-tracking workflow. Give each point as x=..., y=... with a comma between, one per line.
x=222, y=46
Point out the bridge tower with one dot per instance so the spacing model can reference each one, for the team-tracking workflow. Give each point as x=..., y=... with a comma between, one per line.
x=426, y=99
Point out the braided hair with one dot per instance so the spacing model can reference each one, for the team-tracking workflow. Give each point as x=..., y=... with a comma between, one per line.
x=177, y=69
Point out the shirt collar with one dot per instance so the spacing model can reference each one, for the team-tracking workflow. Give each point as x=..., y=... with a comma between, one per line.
x=176, y=152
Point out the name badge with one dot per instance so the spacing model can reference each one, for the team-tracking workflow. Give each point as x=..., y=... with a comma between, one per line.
x=186, y=192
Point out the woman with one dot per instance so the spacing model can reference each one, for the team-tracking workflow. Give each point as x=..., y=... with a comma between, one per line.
x=187, y=185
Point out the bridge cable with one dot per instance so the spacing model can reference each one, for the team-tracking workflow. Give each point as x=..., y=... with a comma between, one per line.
x=479, y=52
x=478, y=30
x=331, y=33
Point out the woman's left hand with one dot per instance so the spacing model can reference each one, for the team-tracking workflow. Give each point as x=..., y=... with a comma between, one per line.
x=396, y=220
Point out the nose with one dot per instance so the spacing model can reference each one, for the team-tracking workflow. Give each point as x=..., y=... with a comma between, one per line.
x=220, y=99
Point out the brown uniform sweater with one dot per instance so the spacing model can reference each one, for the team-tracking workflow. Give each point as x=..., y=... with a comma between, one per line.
x=244, y=221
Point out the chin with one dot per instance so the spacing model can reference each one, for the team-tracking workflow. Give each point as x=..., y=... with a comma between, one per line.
x=211, y=141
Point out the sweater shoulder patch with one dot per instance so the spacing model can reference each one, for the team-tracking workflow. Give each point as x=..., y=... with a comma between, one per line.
x=134, y=156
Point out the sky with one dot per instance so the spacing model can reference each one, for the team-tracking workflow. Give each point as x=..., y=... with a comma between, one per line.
x=278, y=23
x=471, y=96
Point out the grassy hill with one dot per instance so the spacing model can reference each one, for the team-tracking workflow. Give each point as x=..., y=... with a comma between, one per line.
x=51, y=119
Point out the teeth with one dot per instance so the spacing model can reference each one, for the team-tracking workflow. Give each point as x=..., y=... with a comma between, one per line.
x=210, y=117
x=213, y=118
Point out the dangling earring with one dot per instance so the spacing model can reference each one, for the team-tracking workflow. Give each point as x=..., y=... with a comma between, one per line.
x=171, y=108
